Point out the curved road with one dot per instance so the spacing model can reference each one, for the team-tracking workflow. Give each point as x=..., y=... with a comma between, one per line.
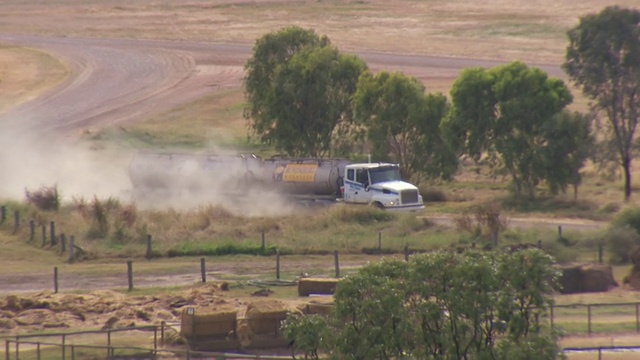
x=114, y=80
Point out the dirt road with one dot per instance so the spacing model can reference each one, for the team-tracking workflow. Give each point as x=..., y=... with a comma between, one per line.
x=115, y=81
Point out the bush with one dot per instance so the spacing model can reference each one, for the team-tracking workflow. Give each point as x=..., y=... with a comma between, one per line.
x=621, y=240
x=628, y=217
x=45, y=198
x=433, y=195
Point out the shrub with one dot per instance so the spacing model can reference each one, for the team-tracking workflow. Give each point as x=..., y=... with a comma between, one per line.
x=628, y=217
x=45, y=198
x=621, y=240
x=433, y=195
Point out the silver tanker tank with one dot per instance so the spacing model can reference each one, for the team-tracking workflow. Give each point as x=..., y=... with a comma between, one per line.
x=301, y=176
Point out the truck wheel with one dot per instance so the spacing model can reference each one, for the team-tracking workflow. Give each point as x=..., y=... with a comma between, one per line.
x=377, y=205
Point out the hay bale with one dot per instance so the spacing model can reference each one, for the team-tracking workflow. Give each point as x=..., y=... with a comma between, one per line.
x=265, y=317
x=209, y=322
x=320, y=306
x=585, y=278
x=320, y=286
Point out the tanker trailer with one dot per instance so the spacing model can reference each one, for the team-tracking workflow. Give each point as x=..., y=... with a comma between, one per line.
x=308, y=178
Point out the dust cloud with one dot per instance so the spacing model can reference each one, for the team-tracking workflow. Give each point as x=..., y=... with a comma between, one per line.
x=186, y=181
x=157, y=181
x=30, y=162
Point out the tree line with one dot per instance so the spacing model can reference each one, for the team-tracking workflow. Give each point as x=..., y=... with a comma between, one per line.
x=306, y=98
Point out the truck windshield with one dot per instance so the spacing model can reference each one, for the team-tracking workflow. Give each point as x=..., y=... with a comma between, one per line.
x=384, y=174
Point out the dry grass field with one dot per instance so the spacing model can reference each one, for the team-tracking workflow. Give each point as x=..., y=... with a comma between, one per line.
x=505, y=30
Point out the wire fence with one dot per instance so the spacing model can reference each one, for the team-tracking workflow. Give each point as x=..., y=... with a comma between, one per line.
x=105, y=344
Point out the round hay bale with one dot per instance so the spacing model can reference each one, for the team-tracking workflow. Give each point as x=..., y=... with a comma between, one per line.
x=585, y=278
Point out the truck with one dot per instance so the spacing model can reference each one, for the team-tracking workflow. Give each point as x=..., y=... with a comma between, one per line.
x=304, y=179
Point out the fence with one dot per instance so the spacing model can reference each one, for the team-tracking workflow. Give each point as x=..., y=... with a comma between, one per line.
x=27, y=347
x=602, y=351
x=596, y=318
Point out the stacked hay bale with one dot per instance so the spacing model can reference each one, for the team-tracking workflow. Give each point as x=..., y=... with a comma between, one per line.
x=318, y=306
x=210, y=329
x=320, y=286
x=585, y=278
x=261, y=326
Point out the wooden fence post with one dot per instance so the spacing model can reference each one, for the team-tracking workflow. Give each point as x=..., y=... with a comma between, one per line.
x=600, y=253
x=63, y=243
x=32, y=230
x=44, y=235
x=559, y=232
x=277, y=264
x=149, y=249
x=406, y=253
x=72, y=244
x=336, y=260
x=16, y=221
x=264, y=243
x=55, y=279
x=52, y=236
x=203, y=270
x=130, y=274
x=637, y=317
x=380, y=242
x=589, y=318
x=3, y=214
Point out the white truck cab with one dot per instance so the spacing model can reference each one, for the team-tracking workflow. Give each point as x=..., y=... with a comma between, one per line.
x=379, y=185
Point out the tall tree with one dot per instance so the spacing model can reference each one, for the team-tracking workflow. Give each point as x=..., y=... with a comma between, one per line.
x=298, y=89
x=603, y=58
x=403, y=124
x=507, y=114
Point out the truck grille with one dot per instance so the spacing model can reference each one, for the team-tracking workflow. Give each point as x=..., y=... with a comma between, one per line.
x=409, y=196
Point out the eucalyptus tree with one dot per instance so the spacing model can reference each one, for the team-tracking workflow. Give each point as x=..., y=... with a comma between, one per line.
x=403, y=124
x=299, y=89
x=509, y=115
x=603, y=58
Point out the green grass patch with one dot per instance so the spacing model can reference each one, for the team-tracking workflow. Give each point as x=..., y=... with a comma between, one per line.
x=226, y=248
